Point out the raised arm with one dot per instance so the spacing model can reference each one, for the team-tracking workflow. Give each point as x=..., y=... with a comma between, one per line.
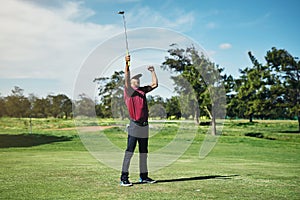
x=154, y=83
x=127, y=72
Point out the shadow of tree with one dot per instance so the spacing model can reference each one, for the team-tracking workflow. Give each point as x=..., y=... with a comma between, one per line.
x=246, y=123
x=29, y=140
x=289, y=131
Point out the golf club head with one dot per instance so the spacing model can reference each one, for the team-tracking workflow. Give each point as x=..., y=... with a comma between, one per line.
x=121, y=12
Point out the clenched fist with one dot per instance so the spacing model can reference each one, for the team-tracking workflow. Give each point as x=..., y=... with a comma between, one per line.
x=127, y=58
x=151, y=68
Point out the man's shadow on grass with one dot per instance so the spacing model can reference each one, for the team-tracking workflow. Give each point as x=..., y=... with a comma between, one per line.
x=29, y=140
x=193, y=178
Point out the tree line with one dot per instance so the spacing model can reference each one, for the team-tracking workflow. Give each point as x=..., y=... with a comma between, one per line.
x=202, y=89
x=18, y=105
x=262, y=91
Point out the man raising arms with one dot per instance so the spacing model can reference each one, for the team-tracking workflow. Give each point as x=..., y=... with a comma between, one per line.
x=138, y=129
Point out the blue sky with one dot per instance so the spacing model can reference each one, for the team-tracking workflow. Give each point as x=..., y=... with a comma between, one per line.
x=44, y=43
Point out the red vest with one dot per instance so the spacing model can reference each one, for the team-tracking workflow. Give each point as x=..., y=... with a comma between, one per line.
x=136, y=102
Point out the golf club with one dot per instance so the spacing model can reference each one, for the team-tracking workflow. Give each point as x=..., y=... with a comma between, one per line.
x=124, y=21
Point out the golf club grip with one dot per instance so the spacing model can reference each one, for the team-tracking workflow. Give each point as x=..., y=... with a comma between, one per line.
x=127, y=54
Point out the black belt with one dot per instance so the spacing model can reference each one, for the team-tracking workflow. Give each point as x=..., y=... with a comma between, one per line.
x=140, y=123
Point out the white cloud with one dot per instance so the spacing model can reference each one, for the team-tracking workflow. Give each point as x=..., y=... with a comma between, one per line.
x=75, y=11
x=225, y=46
x=147, y=17
x=42, y=41
x=36, y=39
x=211, y=25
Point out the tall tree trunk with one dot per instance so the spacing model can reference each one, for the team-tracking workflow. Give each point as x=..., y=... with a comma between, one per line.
x=251, y=118
x=213, y=126
x=299, y=122
x=196, y=117
x=213, y=121
x=122, y=113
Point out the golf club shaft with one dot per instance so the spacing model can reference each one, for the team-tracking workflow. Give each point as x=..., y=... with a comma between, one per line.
x=126, y=40
x=125, y=33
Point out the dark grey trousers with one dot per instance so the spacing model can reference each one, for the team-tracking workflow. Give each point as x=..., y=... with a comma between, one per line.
x=136, y=134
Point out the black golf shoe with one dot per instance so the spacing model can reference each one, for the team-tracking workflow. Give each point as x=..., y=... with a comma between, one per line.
x=147, y=180
x=125, y=183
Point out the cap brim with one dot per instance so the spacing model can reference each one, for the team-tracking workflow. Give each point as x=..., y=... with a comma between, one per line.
x=137, y=76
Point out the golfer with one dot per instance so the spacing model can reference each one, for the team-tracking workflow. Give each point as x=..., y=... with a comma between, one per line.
x=138, y=129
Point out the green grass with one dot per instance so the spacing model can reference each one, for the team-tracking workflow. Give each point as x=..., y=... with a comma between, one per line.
x=52, y=163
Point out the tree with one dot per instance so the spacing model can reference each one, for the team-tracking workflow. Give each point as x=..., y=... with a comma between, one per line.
x=152, y=100
x=187, y=100
x=200, y=81
x=173, y=108
x=157, y=110
x=17, y=105
x=286, y=74
x=231, y=96
x=253, y=95
x=2, y=107
x=61, y=105
x=102, y=111
x=84, y=106
x=156, y=106
x=41, y=108
x=67, y=106
x=111, y=92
